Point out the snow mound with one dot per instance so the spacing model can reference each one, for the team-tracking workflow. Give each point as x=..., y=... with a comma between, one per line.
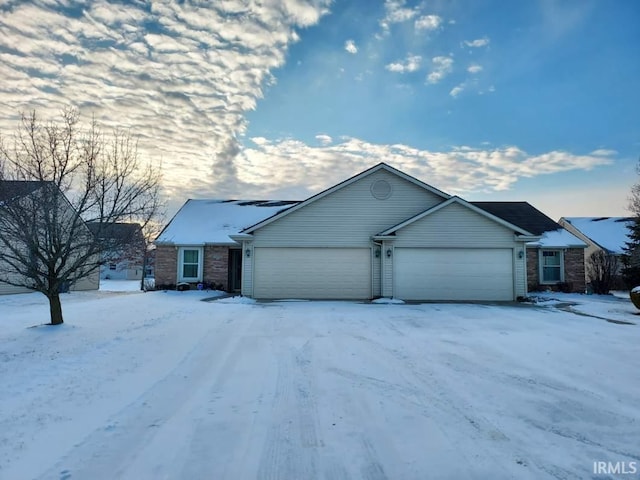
x=388, y=301
x=237, y=300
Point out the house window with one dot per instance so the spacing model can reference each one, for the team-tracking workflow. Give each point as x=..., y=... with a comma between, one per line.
x=551, y=266
x=112, y=266
x=190, y=266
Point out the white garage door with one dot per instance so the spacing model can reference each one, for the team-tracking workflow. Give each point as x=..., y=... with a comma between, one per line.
x=319, y=273
x=453, y=274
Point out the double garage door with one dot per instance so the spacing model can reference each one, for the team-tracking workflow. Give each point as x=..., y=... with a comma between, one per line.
x=317, y=273
x=453, y=274
x=418, y=273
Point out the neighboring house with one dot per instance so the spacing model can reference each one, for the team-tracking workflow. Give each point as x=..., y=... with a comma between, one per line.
x=556, y=260
x=195, y=246
x=124, y=254
x=381, y=233
x=15, y=190
x=607, y=234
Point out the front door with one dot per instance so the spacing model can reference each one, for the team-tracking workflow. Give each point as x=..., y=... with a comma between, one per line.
x=235, y=270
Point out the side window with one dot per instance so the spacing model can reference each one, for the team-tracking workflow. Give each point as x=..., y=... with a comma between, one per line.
x=190, y=264
x=551, y=265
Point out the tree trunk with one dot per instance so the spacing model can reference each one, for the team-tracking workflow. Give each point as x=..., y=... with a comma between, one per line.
x=55, y=308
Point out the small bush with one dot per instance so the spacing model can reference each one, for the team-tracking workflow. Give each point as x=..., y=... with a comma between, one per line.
x=602, y=269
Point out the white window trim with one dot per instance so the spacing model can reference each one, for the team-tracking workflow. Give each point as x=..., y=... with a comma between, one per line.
x=541, y=266
x=198, y=278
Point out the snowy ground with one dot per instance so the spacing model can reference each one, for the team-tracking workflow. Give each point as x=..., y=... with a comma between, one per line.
x=162, y=385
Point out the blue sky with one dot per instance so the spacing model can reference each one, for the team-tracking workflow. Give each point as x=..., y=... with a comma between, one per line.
x=492, y=100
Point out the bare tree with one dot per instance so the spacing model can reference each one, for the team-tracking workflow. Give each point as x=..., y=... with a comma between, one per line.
x=602, y=268
x=57, y=178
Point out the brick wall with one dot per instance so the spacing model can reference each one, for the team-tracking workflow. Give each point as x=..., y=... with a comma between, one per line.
x=216, y=266
x=573, y=270
x=166, y=265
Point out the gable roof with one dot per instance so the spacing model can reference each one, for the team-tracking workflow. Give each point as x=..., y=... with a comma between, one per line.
x=609, y=233
x=200, y=222
x=10, y=189
x=526, y=216
x=464, y=203
x=343, y=184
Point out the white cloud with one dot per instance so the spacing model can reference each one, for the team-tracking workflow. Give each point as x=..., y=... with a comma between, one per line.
x=184, y=87
x=410, y=64
x=457, y=90
x=603, y=152
x=477, y=43
x=324, y=139
x=350, y=46
x=428, y=22
x=474, y=68
x=396, y=12
x=442, y=67
x=297, y=170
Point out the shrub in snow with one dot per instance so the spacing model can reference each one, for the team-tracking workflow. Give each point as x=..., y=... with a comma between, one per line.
x=601, y=269
x=635, y=296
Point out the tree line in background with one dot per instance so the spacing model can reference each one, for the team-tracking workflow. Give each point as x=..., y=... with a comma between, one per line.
x=64, y=188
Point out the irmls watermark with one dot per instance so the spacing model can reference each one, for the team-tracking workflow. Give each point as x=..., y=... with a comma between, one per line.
x=615, y=468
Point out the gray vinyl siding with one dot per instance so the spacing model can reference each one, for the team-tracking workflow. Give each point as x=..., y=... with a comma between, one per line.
x=349, y=216
x=387, y=271
x=455, y=226
x=89, y=283
x=6, y=289
x=520, y=271
x=247, y=270
x=376, y=264
x=92, y=282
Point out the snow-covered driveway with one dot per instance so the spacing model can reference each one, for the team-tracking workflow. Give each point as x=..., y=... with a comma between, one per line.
x=161, y=385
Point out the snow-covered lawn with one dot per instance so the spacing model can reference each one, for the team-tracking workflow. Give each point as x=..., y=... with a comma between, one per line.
x=162, y=385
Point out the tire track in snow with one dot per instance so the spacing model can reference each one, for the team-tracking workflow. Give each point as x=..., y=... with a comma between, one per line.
x=472, y=428
x=114, y=448
x=291, y=443
x=411, y=386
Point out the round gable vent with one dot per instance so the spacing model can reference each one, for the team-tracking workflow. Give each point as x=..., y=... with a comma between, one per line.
x=381, y=189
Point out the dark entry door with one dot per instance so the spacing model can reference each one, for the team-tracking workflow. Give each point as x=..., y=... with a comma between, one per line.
x=235, y=270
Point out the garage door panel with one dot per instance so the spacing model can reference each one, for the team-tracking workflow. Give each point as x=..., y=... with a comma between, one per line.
x=453, y=274
x=315, y=273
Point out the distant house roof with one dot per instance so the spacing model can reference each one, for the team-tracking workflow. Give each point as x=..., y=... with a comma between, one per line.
x=610, y=233
x=529, y=218
x=212, y=221
x=119, y=231
x=10, y=189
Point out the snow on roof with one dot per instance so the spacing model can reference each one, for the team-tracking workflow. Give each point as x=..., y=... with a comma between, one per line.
x=558, y=239
x=212, y=221
x=608, y=232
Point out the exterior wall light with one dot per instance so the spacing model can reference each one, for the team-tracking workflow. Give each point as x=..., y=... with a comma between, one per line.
x=248, y=252
x=521, y=254
x=377, y=253
x=388, y=253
